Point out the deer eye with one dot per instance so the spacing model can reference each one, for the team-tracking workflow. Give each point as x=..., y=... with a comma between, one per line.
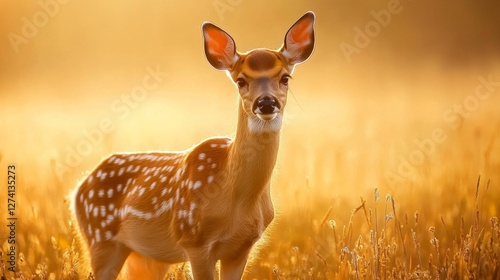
x=241, y=82
x=284, y=79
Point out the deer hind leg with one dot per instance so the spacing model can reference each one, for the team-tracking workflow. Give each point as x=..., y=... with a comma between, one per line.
x=142, y=267
x=107, y=259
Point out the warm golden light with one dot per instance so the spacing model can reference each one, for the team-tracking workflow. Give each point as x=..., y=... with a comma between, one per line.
x=397, y=105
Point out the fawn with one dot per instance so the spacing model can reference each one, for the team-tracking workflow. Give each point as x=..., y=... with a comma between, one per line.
x=211, y=202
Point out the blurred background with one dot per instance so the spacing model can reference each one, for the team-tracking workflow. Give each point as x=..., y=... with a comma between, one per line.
x=363, y=111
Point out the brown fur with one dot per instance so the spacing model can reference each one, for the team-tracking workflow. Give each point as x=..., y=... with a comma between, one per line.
x=261, y=60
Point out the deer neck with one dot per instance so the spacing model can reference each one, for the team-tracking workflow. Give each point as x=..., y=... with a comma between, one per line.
x=251, y=160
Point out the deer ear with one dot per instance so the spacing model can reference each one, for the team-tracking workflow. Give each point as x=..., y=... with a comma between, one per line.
x=220, y=48
x=299, y=40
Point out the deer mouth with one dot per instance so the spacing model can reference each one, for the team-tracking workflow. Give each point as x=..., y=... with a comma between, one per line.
x=266, y=108
x=266, y=117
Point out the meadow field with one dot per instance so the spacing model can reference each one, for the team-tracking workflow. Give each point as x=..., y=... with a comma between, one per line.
x=345, y=206
x=389, y=164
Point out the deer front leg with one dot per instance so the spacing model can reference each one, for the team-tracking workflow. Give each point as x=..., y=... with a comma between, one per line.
x=232, y=269
x=202, y=265
x=107, y=259
x=141, y=267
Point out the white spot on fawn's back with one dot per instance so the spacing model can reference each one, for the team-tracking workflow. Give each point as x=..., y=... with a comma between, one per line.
x=97, y=235
x=141, y=191
x=110, y=219
x=108, y=235
x=135, y=189
x=197, y=184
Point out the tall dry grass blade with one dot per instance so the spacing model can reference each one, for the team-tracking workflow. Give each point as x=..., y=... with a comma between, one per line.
x=417, y=247
x=325, y=218
x=488, y=152
x=23, y=259
x=400, y=231
x=483, y=197
x=477, y=191
x=354, y=255
x=445, y=228
x=366, y=214
x=320, y=257
x=333, y=225
x=415, y=241
x=475, y=231
x=377, y=260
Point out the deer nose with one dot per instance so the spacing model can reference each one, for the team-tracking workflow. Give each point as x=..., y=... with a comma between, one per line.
x=265, y=105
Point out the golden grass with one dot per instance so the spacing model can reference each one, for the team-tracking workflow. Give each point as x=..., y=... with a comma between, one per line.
x=337, y=215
